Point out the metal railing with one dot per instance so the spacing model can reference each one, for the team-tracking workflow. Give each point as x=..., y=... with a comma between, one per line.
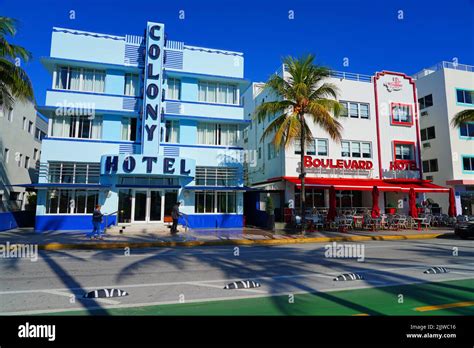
x=107, y=218
x=443, y=65
x=336, y=74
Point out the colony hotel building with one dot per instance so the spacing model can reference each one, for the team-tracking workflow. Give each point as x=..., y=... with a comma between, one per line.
x=380, y=147
x=137, y=124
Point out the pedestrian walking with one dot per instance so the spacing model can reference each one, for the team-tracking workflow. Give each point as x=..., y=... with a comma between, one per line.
x=175, y=214
x=96, y=223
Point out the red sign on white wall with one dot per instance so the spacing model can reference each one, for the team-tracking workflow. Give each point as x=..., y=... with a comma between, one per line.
x=310, y=162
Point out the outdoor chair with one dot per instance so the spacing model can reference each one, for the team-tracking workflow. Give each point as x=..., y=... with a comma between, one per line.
x=427, y=222
x=411, y=223
x=403, y=222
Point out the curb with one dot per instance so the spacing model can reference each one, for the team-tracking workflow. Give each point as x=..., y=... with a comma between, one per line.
x=121, y=245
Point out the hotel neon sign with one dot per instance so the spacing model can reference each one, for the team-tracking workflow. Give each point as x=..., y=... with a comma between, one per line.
x=153, y=87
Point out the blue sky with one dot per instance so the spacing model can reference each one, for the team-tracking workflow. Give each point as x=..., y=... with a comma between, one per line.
x=368, y=33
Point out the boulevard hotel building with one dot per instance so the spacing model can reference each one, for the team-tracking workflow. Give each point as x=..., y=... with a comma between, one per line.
x=380, y=146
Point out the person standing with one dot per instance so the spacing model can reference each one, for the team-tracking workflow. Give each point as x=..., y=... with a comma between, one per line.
x=175, y=214
x=96, y=222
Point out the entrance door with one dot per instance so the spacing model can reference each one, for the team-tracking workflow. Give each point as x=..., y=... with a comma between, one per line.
x=140, y=207
x=155, y=205
x=145, y=205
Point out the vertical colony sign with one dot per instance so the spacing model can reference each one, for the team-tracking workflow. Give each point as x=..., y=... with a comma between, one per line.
x=153, y=88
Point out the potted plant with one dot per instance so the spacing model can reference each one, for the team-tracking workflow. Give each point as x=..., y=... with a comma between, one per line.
x=270, y=213
x=390, y=209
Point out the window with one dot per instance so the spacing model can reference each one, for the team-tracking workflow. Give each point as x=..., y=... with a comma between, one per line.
x=35, y=154
x=39, y=134
x=217, y=134
x=345, y=149
x=6, y=155
x=80, y=79
x=356, y=149
x=73, y=173
x=216, y=176
x=467, y=129
x=366, y=150
x=428, y=133
x=10, y=114
x=129, y=128
x=260, y=153
x=313, y=198
x=355, y=109
x=316, y=146
x=20, y=157
x=172, y=131
x=77, y=127
x=272, y=151
x=24, y=123
x=71, y=201
x=401, y=114
x=174, y=89
x=212, y=202
x=364, y=110
x=27, y=162
x=132, y=84
x=468, y=163
x=344, y=111
x=465, y=96
x=226, y=202
x=322, y=147
x=30, y=127
x=404, y=151
x=213, y=92
x=430, y=166
x=426, y=101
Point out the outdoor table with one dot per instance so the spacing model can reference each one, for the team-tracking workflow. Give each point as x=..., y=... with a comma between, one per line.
x=419, y=220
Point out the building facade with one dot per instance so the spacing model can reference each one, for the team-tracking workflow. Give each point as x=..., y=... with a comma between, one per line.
x=138, y=123
x=380, y=147
x=447, y=152
x=21, y=132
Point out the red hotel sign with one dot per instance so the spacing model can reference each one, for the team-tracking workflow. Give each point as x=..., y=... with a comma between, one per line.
x=309, y=162
x=403, y=165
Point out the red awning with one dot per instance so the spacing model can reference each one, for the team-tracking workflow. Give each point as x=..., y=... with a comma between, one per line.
x=395, y=185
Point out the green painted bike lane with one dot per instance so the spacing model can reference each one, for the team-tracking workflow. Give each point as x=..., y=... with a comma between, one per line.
x=369, y=301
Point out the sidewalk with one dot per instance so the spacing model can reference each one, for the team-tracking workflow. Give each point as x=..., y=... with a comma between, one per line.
x=55, y=240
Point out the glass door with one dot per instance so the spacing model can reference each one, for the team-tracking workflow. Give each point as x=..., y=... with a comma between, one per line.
x=140, y=206
x=125, y=206
x=155, y=205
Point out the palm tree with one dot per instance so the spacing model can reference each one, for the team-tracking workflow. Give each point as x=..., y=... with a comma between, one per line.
x=462, y=117
x=14, y=82
x=303, y=96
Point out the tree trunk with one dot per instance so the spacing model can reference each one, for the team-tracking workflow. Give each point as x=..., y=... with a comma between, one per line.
x=302, y=175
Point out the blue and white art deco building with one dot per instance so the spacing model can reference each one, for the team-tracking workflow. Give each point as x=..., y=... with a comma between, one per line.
x=136, y=124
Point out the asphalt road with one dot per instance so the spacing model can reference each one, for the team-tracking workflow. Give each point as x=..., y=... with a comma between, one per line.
x=58, y=279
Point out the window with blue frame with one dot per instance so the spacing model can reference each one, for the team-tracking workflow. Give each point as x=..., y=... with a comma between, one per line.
x=468, y=163
x=465, y=96
x=467, y=129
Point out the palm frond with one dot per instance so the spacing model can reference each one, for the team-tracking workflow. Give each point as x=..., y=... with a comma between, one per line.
x=462, y=117
x=8, y=26
x=271, y=108
x=13, y=51
x=321, y=116
x=15, y=80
